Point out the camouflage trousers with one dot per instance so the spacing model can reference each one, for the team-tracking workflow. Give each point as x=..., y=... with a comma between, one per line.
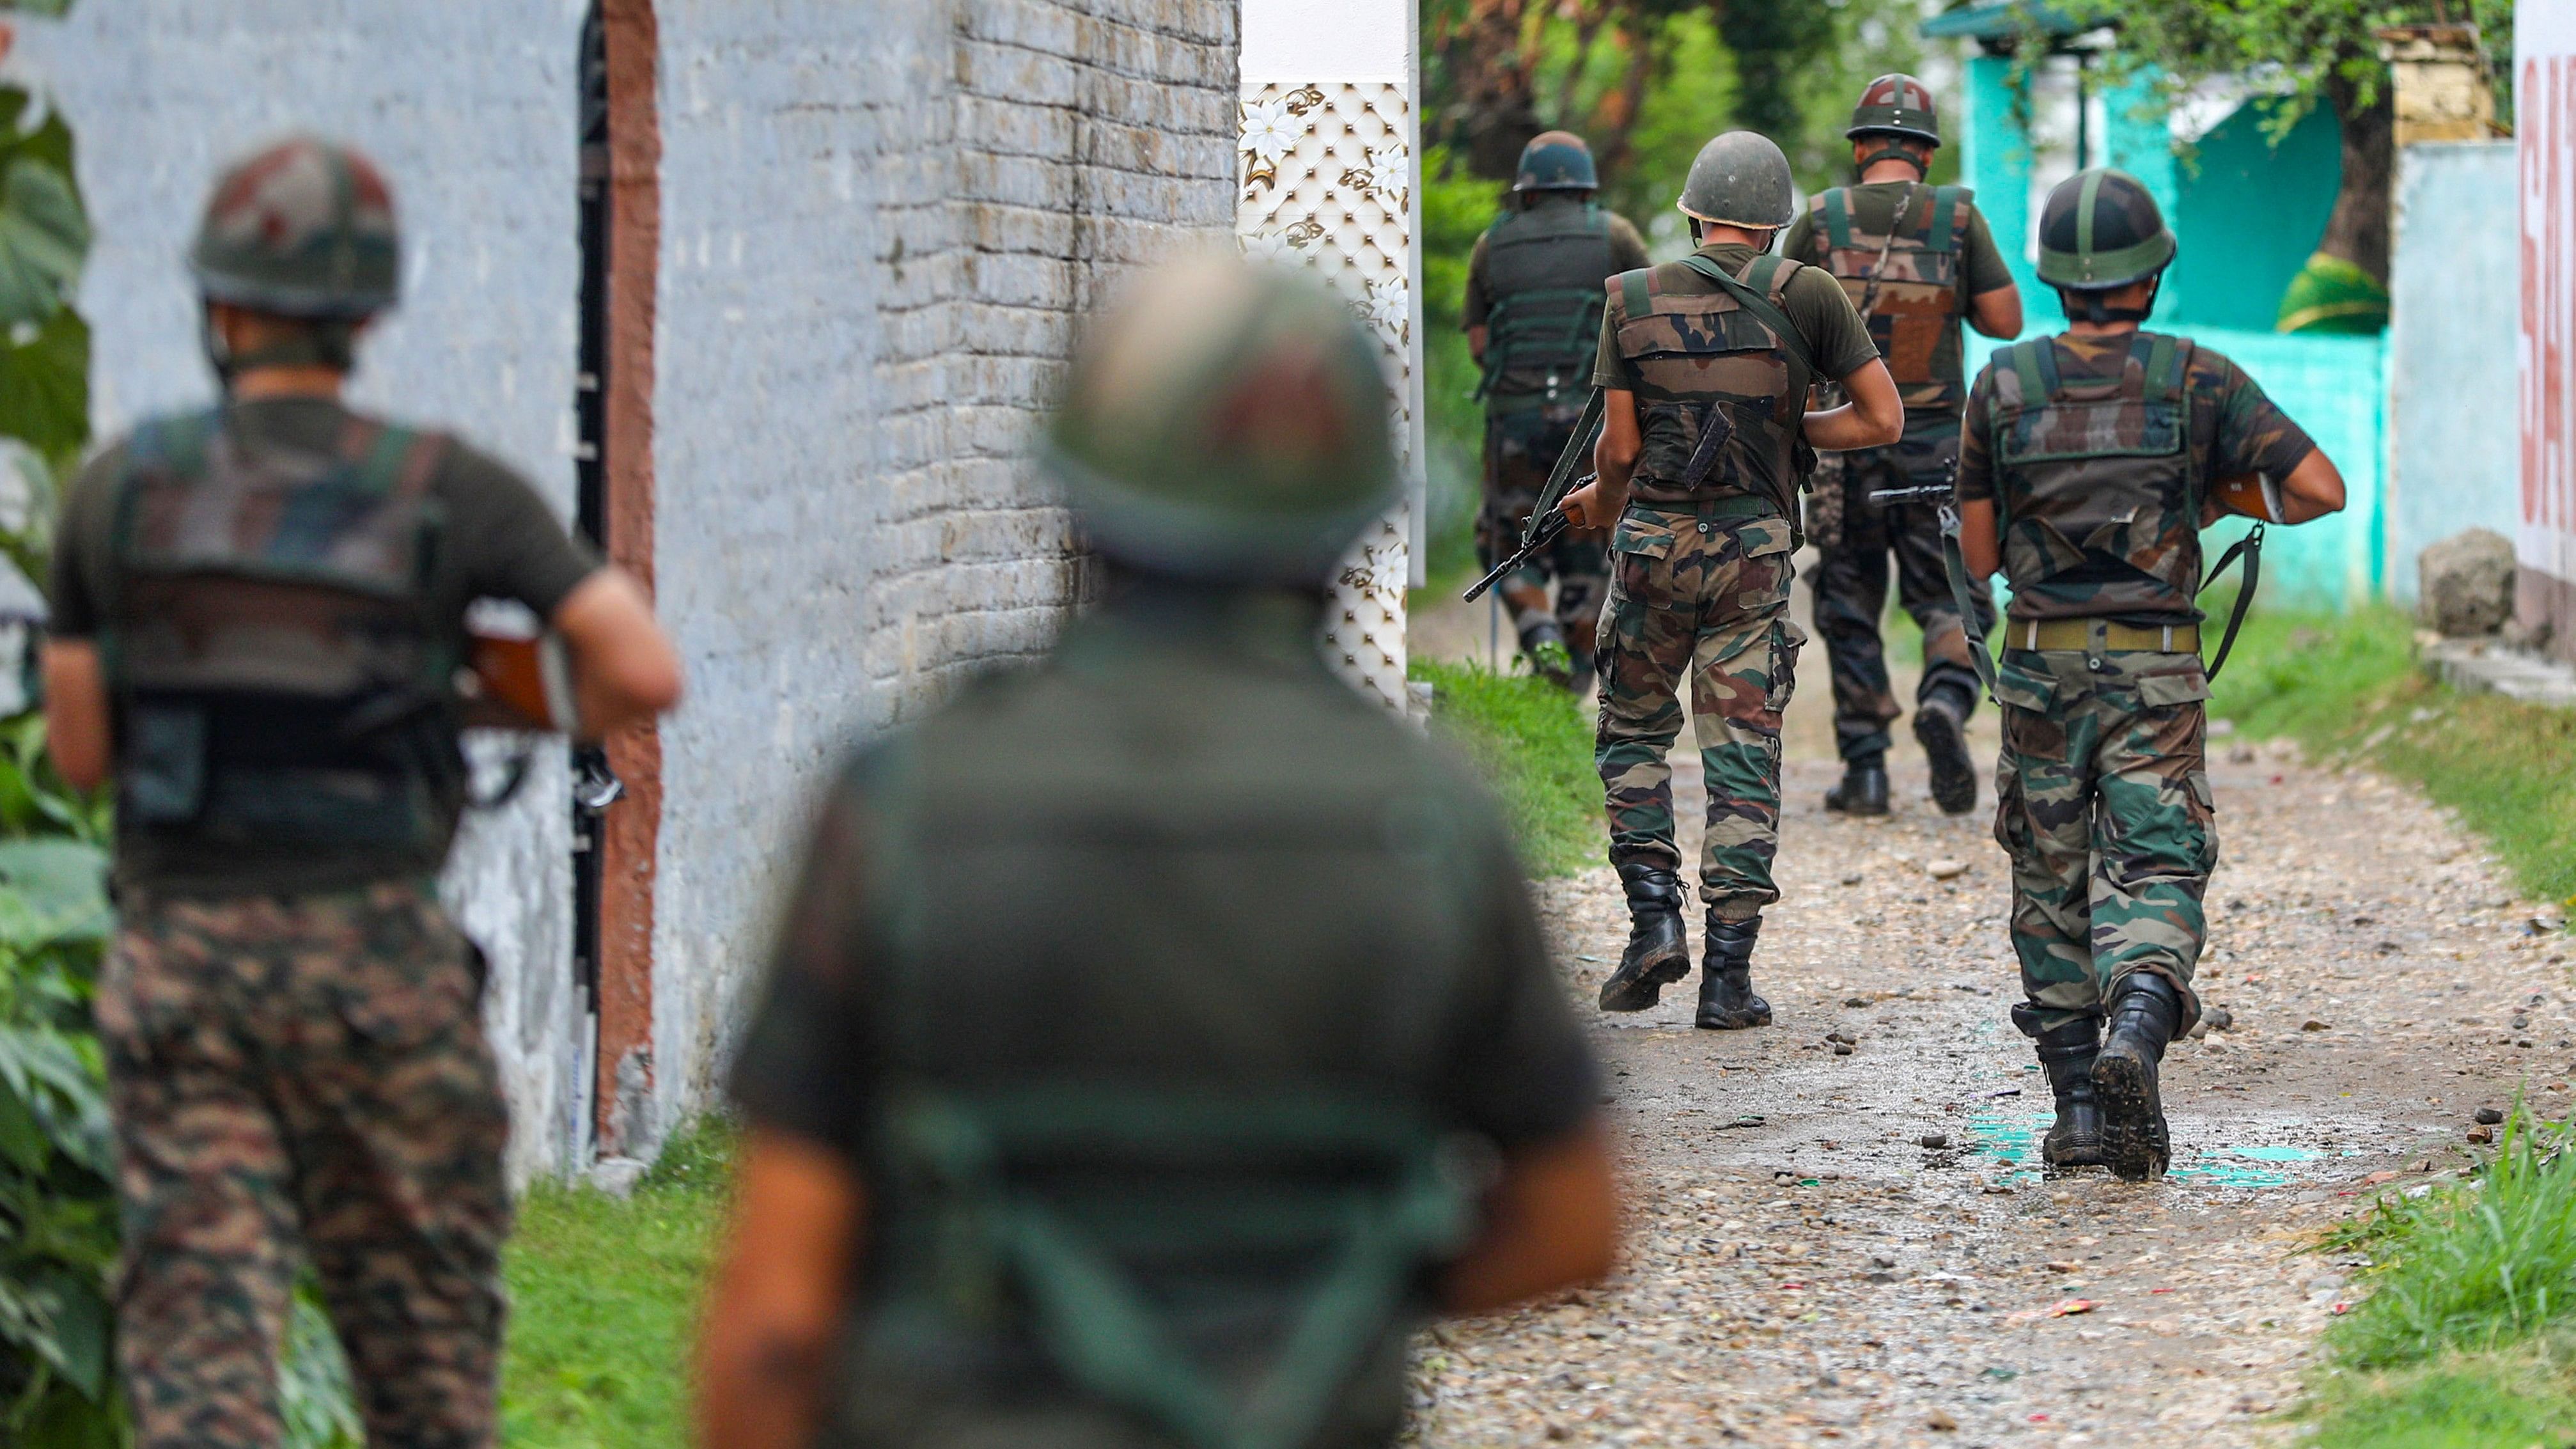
x=1520, y=449
x=304, y=1078
x=2103, y=801
x=1700, y=594
x=1851, y=582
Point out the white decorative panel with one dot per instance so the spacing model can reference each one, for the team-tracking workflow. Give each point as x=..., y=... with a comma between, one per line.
x=1327, y=173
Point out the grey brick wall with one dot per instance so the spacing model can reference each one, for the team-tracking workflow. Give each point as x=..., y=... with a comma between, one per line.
x=877, y=238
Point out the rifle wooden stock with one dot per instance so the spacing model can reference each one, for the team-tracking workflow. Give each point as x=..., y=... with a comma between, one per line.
x=2250, y=495
x=519, y=684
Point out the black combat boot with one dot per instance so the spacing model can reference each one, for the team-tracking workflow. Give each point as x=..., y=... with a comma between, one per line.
x=1543, y=645
x=2067, y=1055
x=1726, y=999
x=1863, y=790
x=2144, y=1011
x=1658, y=949
x=1941, y=727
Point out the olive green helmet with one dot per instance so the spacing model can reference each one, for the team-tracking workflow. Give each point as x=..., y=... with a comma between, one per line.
x=1226, y=422
x=2100, y=230
x=1896, y=105
x=1556, y=161
x=1740, y=179
x=301, y=228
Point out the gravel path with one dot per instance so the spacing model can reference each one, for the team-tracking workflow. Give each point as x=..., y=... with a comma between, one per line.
x=1837, y=1230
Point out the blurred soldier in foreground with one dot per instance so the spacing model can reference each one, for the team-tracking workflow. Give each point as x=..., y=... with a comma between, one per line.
x=1705, y=365
x=1155, y=1033
x=2091, y=462
x=1533, y=316
x=258, y=611
x=1914, y=259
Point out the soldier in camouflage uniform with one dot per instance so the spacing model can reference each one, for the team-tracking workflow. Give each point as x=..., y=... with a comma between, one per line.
x=2088, y=468
x=1136, y=1011
x=257, y=613
x=1705, y=365
x=1915, y=260
x=1533, y=313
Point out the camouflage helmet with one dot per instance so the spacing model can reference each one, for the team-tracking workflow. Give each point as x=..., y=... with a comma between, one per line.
x=302, y=228
x=1556, y=161
x=1740, y=179
x=1896, y=105
x=2101, y=229
x=1226, y=422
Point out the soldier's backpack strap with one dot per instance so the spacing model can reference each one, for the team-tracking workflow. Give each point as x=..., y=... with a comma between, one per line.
x=1837, y=206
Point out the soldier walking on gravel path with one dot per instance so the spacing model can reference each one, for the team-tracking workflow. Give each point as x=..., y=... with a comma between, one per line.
x=258, y=612
x=1914, y=259
x=2090, y=463
x=1156, y=1032
x=1705, y=366
x=1533, y=316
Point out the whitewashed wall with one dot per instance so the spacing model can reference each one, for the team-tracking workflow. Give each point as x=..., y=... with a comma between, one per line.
x=469, y=107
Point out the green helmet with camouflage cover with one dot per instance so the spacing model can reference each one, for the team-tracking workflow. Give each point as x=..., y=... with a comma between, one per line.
x=1896, y=105
x=301, y=228
x=1740, y=179
x=1226, y=422
x=1556, y=161
x=2101, y=230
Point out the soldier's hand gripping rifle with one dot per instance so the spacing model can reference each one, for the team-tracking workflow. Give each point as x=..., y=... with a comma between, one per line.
x=1547, y=522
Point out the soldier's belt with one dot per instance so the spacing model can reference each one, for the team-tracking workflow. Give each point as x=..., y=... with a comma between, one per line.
x=2101, y=635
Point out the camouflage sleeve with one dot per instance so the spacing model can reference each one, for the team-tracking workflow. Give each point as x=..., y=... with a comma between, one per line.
x=77, y=586
x=2246, y=433
x=1976, y=479
x=1610, y=367
x=1479, y=302
x=804, y=1066
x=1627, y=245
x=1982, y=268
x=1519, y=1069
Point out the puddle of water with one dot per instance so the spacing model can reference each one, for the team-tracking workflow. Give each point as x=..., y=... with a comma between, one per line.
x=2013, y=1142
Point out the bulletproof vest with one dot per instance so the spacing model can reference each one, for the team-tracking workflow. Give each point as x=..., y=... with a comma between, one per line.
x=1904, y=284
x=277, y=679
x=1151, y=936
x=1700, y=354
x=2096, y=483
x=1544, y=265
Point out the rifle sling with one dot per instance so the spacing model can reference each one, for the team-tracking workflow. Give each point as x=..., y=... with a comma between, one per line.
x=1792, y=340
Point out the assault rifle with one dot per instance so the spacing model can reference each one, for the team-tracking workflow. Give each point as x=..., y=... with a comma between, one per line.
x=515, y=683
x=1547, y=521
x=1911, y=493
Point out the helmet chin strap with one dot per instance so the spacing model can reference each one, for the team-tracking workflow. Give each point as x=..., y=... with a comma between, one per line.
x=2099, y=313
x=1893, y=152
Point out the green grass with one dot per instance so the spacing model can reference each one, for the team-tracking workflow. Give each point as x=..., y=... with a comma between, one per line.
x=2347, y=688
x=1535, y=748
x=604, y=1299
x=2465, y=1337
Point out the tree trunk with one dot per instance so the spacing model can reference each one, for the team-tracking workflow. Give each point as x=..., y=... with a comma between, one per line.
x=2358, y=229
x=1493, y=111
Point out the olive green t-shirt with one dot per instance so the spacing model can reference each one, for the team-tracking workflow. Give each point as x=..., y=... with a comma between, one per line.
x=497, y=540
x=1813, y=301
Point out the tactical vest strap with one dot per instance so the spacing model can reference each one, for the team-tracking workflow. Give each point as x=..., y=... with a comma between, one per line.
x=1634, y=298
x=1944, y=234
x=1837, y=205
x=997, y=1234
x=2164, y=365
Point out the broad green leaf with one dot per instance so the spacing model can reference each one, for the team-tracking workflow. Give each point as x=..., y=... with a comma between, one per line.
x=43, y=238
x=44, y=387
x=52, y=890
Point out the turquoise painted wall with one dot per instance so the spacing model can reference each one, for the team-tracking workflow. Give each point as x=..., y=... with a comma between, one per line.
x=2250, y=216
